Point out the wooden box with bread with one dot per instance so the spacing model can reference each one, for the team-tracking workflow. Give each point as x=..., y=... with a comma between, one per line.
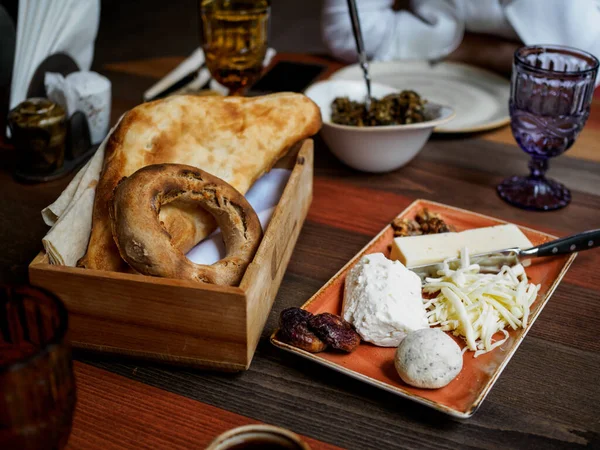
x=169, y=173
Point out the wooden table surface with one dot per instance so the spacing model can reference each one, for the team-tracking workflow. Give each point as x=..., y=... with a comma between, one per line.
x=547, y=397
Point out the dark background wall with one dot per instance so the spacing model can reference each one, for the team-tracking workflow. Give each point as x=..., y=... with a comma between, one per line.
x=135, y=29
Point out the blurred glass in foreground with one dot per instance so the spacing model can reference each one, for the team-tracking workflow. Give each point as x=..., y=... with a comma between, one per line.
x=37, y=386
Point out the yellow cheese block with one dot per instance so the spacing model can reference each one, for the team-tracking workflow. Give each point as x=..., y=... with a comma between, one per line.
x=415, y=251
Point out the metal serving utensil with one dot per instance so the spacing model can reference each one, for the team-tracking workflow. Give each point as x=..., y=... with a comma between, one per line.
x=492, y=262
x=360, y=48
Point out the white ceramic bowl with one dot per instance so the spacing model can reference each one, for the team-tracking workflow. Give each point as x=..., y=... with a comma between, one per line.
x=372, y=149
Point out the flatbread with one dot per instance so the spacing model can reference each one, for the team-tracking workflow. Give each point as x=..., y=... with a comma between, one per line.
x=237, y=139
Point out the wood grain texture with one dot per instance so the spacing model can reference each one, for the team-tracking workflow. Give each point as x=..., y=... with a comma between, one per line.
x=165, y=320
x=182, y=321
x=109, y=405
x=264, y=274
x=547, y=397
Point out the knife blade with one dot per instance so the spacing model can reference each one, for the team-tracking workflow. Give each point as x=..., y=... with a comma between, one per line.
x=489, y=262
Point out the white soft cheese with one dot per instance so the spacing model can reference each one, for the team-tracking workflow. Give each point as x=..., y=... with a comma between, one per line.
x=432, y=248
x=382, y=299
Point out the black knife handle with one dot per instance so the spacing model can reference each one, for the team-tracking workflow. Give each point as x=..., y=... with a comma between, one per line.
x=570, y=244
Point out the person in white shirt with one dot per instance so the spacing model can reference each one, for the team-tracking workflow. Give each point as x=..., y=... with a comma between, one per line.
x=480, y=32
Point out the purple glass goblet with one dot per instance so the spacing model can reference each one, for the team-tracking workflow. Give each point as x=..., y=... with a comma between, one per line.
x=551, y=92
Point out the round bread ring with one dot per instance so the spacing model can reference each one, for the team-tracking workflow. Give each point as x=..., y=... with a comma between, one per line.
x=146, y=246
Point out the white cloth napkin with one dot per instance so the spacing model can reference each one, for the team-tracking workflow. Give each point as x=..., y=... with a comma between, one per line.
x=392, y=35
x=574, y=23
x=437, y=26
x=46, y=27
x=263, y=196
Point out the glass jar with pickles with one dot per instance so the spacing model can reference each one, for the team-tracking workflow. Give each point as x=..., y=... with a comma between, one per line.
x=38, y=131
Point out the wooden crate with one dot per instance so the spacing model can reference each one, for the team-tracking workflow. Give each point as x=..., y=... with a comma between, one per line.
x=180, y=321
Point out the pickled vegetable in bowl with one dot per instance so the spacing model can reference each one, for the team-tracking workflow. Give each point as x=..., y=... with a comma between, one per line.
x=401, y=108
x=384, y=138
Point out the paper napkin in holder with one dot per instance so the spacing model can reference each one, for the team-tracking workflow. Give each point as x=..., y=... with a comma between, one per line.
x=88, y=92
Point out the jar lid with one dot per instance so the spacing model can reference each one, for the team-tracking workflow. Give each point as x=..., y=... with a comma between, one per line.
x=36, y=112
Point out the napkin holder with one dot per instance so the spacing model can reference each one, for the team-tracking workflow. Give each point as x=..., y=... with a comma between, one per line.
x=78, y=142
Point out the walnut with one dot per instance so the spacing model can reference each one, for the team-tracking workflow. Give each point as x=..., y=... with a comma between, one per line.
x=425, y=215
x=294, y=330
x=405, y=227
x=430, y=222
x=335, y=331
x=434, y=226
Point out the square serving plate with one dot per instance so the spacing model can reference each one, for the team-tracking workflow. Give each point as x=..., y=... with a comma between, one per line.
x=375, y=365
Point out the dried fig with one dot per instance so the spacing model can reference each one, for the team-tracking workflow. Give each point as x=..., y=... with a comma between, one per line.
x=334, y=331
x=294, y=330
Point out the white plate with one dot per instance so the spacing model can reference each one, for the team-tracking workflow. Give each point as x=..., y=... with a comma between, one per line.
x=479, y=97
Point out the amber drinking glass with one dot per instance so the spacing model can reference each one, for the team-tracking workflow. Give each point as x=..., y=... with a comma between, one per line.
x=37, y=387
x=234, y=37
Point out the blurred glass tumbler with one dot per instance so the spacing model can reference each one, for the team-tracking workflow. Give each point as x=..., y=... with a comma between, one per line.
x=235, y=40
x=38, y=131
x=258, y=437
x=37, y=386
x=551, y=94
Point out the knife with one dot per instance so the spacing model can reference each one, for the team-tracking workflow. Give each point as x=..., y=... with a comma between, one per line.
x=492, y=262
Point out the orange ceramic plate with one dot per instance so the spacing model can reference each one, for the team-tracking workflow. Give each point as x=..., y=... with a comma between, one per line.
x=375, y=366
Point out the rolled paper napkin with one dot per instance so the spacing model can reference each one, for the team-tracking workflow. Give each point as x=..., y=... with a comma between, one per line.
x=65, y=243
x=88, y=92
x=87, y=177
x=263, y=197
x=71, y=215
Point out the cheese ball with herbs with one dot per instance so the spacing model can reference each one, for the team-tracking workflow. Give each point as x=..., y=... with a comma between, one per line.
x=428, y=358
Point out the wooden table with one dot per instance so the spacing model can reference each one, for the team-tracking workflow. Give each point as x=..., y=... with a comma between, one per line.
x=547, y=397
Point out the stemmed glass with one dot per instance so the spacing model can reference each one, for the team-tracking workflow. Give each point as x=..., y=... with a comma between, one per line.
x=37, y=385
x=551, y=92
x=235, y=40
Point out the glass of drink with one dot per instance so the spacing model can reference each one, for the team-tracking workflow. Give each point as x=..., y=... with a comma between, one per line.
x=258, y=437
x=37, y=386
x=551, y=92
x=235, y=40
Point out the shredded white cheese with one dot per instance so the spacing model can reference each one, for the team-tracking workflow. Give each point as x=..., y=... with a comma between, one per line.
x=477, y=305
